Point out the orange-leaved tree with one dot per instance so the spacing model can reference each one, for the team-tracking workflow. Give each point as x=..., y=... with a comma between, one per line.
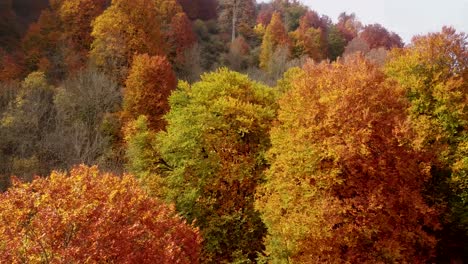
x=40, y=41
x=147, y=88
x=11, y=67
x=86, y=216
x=344, y=184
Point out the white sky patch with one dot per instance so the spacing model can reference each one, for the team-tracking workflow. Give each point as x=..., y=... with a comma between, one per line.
x=405, y=17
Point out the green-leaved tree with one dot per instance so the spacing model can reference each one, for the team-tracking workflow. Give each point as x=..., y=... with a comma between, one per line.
x=216, y=138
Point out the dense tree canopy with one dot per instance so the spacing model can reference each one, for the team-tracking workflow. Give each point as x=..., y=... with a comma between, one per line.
x=9, y=31
x=344, y=184
x=76, y=17
x=181, y=38
x=434, y=70
x=367, y=155
x=199, y=9
x=216, y=136
x=86, y=216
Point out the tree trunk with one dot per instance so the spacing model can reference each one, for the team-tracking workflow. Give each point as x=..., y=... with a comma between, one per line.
x=235, y=4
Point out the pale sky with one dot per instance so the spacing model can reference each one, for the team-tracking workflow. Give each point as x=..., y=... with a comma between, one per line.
x=405, y=17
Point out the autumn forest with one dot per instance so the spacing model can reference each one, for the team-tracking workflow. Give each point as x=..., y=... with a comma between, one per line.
x=228, y=131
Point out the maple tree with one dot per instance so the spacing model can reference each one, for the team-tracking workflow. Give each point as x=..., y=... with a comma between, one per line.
x=344, y=184
x=88, y=216
x=216, y=135
x=275, y=36
x=147, y=88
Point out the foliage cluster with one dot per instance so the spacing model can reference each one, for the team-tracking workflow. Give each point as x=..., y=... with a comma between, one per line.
x=278, y=135
x=86, y=216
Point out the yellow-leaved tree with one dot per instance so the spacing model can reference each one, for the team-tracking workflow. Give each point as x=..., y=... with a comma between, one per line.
x=275, y=37
x=214, y=148
x=127, y=28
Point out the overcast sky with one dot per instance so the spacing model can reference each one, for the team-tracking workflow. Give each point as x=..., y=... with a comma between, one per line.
x=405, y=17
